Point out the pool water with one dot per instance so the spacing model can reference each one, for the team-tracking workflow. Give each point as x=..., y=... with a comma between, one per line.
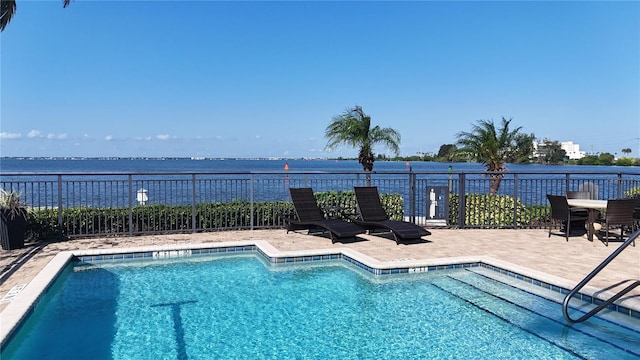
x=233, y=307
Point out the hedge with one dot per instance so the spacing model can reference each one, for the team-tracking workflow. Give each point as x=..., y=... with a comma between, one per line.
x=486, y=211
x=493, y=211
x=159, y=218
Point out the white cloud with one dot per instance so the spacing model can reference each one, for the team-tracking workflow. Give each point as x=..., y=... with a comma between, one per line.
x=108, y=138
x=6, y=135
x=56, y=136
x=163, y=137
x=34, y=133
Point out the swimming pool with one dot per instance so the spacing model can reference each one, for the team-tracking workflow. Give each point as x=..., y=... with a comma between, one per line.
x=241, y=306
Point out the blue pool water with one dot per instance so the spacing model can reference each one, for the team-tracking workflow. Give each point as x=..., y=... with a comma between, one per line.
x=240, y=307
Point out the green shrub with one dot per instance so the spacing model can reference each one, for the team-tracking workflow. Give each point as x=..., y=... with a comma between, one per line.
x=540, y=214
x=632, y=193
x=158, y=218
x=625, y=161
x=343, y=204
x=42, y=224
x=489, y=211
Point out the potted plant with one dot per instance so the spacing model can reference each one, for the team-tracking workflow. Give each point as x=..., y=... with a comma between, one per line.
x=13, y=214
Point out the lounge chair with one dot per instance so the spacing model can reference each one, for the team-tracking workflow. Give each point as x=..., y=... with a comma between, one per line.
x=374, y=218
x=311, y=218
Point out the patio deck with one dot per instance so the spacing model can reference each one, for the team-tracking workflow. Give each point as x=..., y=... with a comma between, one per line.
x=551, y=259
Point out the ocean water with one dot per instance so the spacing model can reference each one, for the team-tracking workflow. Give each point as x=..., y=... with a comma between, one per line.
x=294, y=165
x=100, y=183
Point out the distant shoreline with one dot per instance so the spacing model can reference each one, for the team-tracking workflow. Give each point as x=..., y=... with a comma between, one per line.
x=198, y=159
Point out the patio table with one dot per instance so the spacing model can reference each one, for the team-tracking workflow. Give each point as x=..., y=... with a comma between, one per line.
x=593, y=207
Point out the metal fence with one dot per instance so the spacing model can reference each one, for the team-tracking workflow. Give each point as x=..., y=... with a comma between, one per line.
x=428, y=198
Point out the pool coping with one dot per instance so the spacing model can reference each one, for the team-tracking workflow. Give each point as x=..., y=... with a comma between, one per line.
x=27, y=299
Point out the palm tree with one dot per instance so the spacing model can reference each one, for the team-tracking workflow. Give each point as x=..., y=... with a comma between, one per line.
x=353, y=128
x=492, y=147
x=626, y=151
x=8, y=9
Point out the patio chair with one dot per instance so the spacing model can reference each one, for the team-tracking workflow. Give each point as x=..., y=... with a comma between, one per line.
x=619, y=212
x=581, y=195
x=560, y=210
x=636, y=211
x=578, y=195
x=591, y=188
x=311, y=218
x=374, y=218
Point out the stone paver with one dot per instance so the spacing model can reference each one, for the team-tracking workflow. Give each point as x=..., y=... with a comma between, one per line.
x=531, y=249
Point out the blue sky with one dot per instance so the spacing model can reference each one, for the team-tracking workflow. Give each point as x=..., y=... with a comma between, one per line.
x=259, y=79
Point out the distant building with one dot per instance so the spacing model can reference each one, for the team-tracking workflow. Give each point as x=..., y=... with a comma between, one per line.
x=572, y=150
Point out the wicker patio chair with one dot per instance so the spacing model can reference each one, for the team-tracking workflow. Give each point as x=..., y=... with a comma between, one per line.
x=619, y=212
x=561, y=211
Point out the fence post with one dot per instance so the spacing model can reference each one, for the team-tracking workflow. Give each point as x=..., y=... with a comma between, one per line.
x=130, y=205
x=193, y=203
x=251, y=201
x=515, y=201
x=60, y=209
x=566, y=185
x=619, y=185
x=412, y=196
x=461, y=201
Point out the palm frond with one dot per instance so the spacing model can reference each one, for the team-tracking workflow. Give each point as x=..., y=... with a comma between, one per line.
x=386, y=136
x=7, y=10
x=490, y=146
x=353, y=128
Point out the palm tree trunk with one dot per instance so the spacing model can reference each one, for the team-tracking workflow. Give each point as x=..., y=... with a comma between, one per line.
x=494, y=183
x=367, y=174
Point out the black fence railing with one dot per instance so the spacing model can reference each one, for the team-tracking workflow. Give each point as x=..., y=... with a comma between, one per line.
x=182, y=202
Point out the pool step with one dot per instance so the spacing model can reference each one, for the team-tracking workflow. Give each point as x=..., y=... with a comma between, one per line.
x=576, y=308
x=548, y=303
x=543, y=318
